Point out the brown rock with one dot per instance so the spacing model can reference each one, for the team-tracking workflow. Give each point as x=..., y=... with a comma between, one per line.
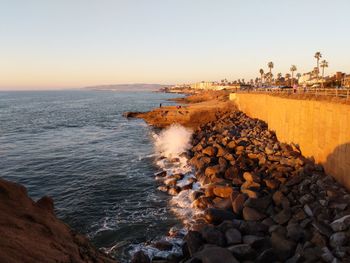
x=250, y=177
x=238, y=203
x=210, y=151
x=251, y=214
x=213, y=171
x=223, y=191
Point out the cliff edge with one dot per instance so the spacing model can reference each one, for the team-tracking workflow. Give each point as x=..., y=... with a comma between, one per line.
x=30, y=231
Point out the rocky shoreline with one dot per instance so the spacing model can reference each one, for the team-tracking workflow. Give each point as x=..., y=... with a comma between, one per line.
x=261, y=200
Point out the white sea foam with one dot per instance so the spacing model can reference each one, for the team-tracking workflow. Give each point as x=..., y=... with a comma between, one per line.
x=170, y=144
x=173, y=141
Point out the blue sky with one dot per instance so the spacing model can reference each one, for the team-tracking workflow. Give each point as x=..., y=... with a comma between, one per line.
x=75, y=43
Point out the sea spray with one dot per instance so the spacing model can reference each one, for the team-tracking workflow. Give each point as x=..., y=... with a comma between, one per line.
x=171, y=144
x=173, y=141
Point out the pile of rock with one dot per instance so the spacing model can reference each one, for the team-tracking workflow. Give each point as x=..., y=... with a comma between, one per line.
x=263, y=200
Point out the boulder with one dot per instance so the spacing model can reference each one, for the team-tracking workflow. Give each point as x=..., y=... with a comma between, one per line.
x=211, y=254
x=283, y=216
x=233, y=236
x=213, y=171
x=140, y=257
x=251, y=214
x=341, y=224
x=238, y=203
x=217, y=216
x=210, y=151
x=242, y=251
x=223, y=191
x=260, y=204
x=284, y=248
x=213, y=236
x=338, y=239
x=194, y=241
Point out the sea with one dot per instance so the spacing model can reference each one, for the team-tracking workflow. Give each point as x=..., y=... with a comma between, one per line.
x=98, y=166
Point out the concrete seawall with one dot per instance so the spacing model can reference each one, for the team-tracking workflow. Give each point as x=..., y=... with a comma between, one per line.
x=321, y=129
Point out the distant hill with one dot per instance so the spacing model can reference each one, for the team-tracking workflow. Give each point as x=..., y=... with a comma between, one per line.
x=129, y=87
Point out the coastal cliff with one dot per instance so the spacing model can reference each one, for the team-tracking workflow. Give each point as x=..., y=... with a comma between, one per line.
x=30, y=231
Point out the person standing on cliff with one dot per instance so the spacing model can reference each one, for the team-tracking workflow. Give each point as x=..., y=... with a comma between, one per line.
x=160, y=105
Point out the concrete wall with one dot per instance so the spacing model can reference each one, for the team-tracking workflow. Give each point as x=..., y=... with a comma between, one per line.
x=321, y=129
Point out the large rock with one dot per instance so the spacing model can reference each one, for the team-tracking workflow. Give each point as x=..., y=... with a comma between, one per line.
x=213, y=171
x=283, y=216
x=217, y=216
x=214, y=254
x=140, y=257
x=242, y=251
x=223, y=191
x=213, y=236
x=341, y=224
x=210, y=151
x=194, y=241
x=238, y=203
x=233, y=236
x=260, y=204
x=338, y=239
x=251, y=214
x=284, y=248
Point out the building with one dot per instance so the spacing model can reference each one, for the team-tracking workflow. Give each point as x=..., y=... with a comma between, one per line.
x=346, y=81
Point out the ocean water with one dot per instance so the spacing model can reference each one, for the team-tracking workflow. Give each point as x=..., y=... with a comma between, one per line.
x=98, y=166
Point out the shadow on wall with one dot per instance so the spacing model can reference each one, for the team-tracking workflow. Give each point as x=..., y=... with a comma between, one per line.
x=337, y=164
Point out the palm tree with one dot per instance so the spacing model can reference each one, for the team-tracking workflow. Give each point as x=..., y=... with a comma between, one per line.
x=324, y=64
x=292, y=69
x=261, y=71
x=318, y=56
x=270, y=65
x=279, y=76
x=298, y=76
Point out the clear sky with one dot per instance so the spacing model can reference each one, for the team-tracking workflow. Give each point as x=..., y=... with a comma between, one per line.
x=76, y=43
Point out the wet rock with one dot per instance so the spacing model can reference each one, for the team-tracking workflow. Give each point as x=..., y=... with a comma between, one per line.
x=213, y=236
x=211, y=254
x=170, y=182
x=251, y=214
x=174, y=191
x=217, y=216
x=163, y=188
x=140, y=257
x=233, y=236
x=194, y=241
x=163, y=245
